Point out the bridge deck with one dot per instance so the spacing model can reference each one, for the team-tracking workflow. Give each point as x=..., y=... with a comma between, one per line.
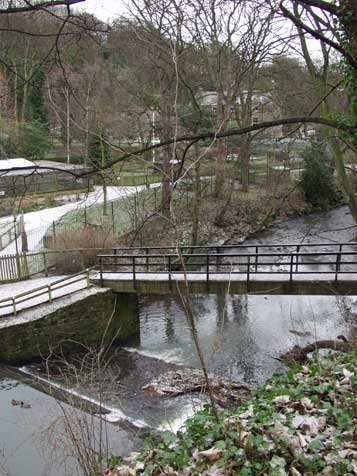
x=164, y=283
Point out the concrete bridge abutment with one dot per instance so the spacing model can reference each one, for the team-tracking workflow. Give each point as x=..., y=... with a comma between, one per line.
x=76, y=323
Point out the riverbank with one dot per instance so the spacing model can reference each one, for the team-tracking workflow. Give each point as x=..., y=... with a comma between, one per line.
x=205, y=219
x=301, y=422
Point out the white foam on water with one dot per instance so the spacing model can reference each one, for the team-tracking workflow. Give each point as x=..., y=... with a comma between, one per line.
x=177, y=424
x=169, y=356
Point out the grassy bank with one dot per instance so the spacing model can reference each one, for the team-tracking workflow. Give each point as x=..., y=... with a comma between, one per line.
x=134, y=179
x=302, y=422
x=120, y=216
x=35, y=201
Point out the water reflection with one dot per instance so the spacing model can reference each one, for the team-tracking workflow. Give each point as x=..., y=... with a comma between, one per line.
x=35, y=441
x=240, y=335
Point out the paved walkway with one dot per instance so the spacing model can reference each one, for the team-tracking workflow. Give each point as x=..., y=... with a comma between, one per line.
x=41, y=220
x=13, y=289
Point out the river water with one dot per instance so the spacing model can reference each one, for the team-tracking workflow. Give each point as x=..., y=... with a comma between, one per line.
x=241, y=337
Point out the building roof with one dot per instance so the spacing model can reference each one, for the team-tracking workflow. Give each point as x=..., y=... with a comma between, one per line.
x=19, y=163
x=209, y=98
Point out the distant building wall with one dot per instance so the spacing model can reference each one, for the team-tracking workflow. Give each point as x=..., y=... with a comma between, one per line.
x=52, y=181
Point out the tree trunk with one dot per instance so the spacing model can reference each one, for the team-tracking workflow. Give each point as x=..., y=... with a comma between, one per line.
x=349, y=21
x=167, y=151
x=68, y=131
x=24, y=102
x=105, y=200
x=196, y=205
x=221, y=147
x=245, y=158
x=320, y=84
x=16, y=103
x=342, y=177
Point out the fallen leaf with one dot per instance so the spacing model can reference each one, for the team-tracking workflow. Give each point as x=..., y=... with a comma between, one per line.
x=295, y=472
x=313, y=425
x=347, y=373
x=248, y=413
x=307, y=403
x=281, y=400
x=212, y=454
x=302, y=440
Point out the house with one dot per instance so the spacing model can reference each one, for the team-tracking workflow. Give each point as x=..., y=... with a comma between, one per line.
x=264, y=108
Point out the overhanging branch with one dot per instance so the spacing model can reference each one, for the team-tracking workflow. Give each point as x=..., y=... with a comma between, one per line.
x=328, y=7
x=318, y=36
x=39, y=6
x=232, y=132
x=206, y=135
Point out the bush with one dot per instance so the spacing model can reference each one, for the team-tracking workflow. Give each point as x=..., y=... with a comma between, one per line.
x=33, y=140
x=317, y=181
x=98, y=149
x=90, y=241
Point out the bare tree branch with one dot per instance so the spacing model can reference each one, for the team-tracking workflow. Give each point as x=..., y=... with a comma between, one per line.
x=39, y=6
x=300, y=24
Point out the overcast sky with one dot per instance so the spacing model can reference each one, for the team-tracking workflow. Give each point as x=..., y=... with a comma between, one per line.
x=104, y=9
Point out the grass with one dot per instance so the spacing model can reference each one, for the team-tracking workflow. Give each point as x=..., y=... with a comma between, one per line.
x=134, y=179
x=33, y=201
x=299, y=423
x=123, y=215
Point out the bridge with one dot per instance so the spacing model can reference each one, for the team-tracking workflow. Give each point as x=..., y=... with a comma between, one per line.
x=318, y=268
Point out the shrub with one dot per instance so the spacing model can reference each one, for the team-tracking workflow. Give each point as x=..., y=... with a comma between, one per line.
x=317, y=181
x=90, y=241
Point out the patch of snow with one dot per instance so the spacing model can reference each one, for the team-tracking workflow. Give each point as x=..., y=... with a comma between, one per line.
x=9, y=164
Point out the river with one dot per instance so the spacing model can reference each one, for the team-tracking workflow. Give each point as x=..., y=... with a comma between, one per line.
x=241, y=337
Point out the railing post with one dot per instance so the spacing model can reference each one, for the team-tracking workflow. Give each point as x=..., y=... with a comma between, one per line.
x=54, y=231
x=169, y=266
x=101, y=270
x=26, y=264
x=217, y=259
x=134, y=271
x=291, y=267
x=297, y=257
x=87, y=278
x=147, y=260
x=248, y=268
x=49, y=292
x=338, y=262
x=256, y=258
x=115, y=260
x=45, y=263
x=207, y=267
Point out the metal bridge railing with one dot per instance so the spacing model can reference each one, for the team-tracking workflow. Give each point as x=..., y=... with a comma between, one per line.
x=274, y=259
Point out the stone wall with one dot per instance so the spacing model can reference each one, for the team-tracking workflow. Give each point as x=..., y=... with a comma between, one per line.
x=71, y=327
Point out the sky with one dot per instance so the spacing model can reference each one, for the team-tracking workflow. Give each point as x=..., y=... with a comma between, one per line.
x=107, y=10
x=103, y=9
